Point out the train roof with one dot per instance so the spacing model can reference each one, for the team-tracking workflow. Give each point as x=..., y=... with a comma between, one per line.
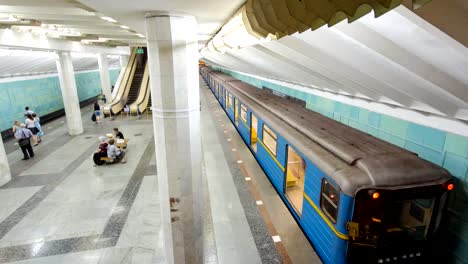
x=352, y=158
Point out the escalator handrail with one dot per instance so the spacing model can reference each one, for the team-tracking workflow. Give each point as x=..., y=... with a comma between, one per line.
x=147, y=88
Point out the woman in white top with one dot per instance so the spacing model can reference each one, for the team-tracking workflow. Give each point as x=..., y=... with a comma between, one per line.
x=31, y=125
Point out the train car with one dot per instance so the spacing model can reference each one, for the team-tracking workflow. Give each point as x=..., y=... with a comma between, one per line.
x=357, y=198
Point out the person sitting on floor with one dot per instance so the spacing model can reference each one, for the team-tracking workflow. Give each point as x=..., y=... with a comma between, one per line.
x=118, y=134
x=101, y=152
x=103, y=145
x=115, y=153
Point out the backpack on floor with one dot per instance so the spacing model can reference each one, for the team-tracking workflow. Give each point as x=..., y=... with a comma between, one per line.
x=93, y=117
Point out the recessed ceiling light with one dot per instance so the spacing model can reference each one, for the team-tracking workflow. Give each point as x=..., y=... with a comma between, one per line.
x=140, y=35
x=110, y=19
x=124, y=27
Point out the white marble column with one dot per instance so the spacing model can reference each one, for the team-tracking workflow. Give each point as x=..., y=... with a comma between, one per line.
x=104, y=73
x=124, y=61
x=173, y=65
x=71, y=101
x=5, y=174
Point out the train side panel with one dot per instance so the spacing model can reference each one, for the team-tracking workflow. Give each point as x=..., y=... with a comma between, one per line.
x=273, y=166
x=221, y=95
x=230, y=112
x=328, y=244
x=244, y=129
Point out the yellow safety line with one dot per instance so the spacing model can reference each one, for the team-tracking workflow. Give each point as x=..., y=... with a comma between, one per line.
x=332, y=227
x=271, y=154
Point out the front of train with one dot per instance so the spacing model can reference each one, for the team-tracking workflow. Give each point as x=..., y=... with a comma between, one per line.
x=397, y=225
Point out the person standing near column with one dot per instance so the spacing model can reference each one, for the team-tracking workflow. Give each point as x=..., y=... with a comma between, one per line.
x=97, y=112
x=23, y=136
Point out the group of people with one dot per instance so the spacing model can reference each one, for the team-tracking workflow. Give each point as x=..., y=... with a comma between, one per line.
x=29, y=133
x=107, y=148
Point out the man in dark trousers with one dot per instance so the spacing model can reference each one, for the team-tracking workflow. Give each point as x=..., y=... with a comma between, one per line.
x=23, y=136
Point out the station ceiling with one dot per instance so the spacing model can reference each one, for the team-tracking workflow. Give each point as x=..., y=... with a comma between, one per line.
x=398, y=60
x=17, y=63
x=210, y=14
x=66, y=19
x=403, y=59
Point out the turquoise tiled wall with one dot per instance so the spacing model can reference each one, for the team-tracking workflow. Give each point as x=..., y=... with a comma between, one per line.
x=442, y=148
x=43, y=95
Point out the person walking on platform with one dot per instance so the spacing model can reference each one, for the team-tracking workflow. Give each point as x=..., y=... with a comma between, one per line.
x=27, y=111
x=97, y=112
x=23, y=136
x=31, y=125
x=40, y=133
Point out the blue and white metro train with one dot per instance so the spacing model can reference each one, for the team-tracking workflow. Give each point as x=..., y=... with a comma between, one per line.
x=357, y=198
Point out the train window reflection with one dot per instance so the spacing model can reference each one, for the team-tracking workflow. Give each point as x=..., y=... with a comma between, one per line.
x=330, y=200
x=243, y=113
x=269, y=138
x=230, y=100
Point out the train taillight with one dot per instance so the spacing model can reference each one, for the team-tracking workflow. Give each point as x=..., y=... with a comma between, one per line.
x=374, y=194
x=450, y=187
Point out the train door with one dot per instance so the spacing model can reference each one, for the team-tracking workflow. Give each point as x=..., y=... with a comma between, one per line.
x=236, y=111
x=295, y=178
x=253, y=132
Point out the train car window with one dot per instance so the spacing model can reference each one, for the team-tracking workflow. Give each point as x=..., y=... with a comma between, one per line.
x=270, y=139
x=243, y=113
x=230, y=100
x=329, y=200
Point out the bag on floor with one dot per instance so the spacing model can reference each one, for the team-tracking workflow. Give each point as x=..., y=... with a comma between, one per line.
x=93, y=117
x=97, y=158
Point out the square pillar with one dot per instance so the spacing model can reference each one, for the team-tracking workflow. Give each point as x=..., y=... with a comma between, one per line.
x=5, y=174
x=173, y=66
x=71, y=101
x=104, y=74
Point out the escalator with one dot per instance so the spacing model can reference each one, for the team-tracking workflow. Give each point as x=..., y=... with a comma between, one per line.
x=143, y=99
x=127, y=89
x=136, y=83
x=144, y=96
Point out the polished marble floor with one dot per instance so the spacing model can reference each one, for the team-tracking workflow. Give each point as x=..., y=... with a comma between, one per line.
x=59, y=208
